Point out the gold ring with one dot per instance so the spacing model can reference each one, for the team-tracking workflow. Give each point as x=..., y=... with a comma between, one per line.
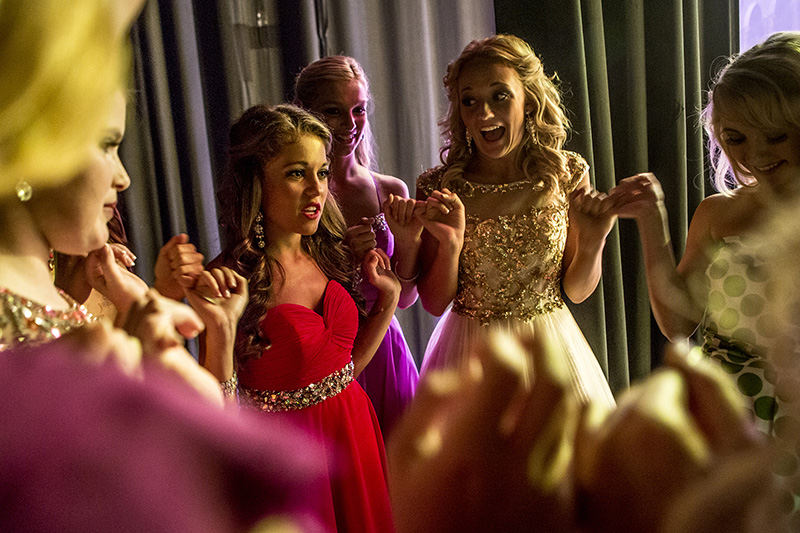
x=212, y=301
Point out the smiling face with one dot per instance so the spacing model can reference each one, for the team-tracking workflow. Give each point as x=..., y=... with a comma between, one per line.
x=492, y=107
x=772, y=157
x=295, y=189
x=73, y=217
x=343, y=107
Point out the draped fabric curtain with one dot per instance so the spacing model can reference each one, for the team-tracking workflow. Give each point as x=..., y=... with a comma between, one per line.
x=177, y=124
x=198, y=65
x=634, y=75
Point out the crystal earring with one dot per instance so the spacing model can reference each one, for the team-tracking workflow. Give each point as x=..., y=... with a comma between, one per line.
x=24, y=190
x=468, y=136
x=531, y=128
x=258, y=229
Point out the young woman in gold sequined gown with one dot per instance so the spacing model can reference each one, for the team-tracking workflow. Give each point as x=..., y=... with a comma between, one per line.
x=531, y=223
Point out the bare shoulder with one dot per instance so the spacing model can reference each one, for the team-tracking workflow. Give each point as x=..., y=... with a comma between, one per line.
x=724, y=215
x=391, y=185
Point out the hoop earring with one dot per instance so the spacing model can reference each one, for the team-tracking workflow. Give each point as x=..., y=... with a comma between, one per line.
x=258, y=229
x=531, y=128
x=24, y=190
x=468, y=136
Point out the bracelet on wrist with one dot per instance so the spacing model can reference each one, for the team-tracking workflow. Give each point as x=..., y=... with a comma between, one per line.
x=229, y=386
x=407, y=280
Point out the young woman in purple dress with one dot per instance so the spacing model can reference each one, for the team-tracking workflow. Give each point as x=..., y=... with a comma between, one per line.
x=377, y=211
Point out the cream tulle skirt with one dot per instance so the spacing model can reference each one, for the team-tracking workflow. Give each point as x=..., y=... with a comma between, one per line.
x=456, y=336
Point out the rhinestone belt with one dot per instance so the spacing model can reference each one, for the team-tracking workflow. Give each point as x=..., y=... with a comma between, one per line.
x=291, y=400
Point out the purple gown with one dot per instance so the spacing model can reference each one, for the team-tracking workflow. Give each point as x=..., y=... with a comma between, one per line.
x=390, y=378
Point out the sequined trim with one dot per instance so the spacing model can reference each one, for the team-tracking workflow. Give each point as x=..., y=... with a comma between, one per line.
x=292, y=400
x=230, y=386
x=25, y=321
x=379, y=222
x=510, y=266
x=430, y=180
x=525, y=313
x=467, y=189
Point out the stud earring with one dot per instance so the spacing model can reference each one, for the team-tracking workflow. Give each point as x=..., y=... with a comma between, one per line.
x=24, y=190
x=531, y=128
x=468, y=136
x=258, y=229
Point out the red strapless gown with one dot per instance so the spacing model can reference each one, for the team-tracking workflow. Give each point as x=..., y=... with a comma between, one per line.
x=307, y=348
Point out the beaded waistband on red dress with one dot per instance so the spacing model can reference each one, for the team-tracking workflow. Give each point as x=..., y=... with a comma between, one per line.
x=291, y=400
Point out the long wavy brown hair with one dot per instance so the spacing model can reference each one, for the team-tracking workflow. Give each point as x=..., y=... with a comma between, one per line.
x=258, y=137
x=541, y=158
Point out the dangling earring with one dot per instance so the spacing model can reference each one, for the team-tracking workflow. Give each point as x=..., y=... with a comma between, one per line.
x=468, y=136
x=24, y=190
x=531, y=128
x=258, y=229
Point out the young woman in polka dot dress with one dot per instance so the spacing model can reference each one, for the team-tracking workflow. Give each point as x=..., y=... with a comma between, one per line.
x=721, y=283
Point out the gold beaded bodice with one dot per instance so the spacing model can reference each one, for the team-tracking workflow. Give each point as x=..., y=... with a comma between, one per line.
x=510, y=265
x=24, y=321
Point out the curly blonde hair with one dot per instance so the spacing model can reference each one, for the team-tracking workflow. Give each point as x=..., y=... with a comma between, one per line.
x=258, y=137
x=759, y=87
x=61, y=64
x=328, y=69
x=542, y=157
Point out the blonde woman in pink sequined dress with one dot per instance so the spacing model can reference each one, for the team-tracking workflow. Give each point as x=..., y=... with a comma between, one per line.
x=531, y=223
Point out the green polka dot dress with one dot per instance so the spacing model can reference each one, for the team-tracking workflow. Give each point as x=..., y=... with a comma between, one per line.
x=737, y=331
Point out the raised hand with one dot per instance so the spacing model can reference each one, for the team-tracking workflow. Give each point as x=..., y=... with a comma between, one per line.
x=219, y=297
x=122, y=254
x=592, y=212
x=116, y=283
x=360, y=238
x=98, y=342
x=638, y=197
x=161, y=325
x=444, y=216
x=377, y=270
x=178, y=266
x=484, y=450
x=401, y=216
x=691, y=420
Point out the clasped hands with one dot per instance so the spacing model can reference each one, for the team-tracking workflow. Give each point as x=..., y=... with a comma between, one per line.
x=504, y=445
x=441, y=214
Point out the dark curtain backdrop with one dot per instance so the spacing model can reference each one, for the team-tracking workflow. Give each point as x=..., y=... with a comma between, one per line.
x=199, y=64
x=634, y=74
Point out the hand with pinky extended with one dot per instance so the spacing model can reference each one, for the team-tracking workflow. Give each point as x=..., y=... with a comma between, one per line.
x=486, y=450
x=99, y=342
x=360, y=238
x=592, y=213
x=705, y=467
x=403, y=217
x=123, y=254
x=639, y=197
x=377, y=270
x=161, y=325
x=178, y=267
x=220, y=298
x=105, y=275
x=444, y=217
